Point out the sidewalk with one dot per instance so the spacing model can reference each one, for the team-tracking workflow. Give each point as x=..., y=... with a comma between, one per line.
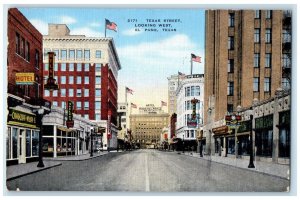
x=274, y=169
x=16, y=171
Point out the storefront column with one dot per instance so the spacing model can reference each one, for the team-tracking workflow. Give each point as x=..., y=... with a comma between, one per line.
x=54, y=141
x=275, y=147
x=225, y=147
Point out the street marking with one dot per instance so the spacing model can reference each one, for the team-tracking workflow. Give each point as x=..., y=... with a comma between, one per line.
x=147, y=174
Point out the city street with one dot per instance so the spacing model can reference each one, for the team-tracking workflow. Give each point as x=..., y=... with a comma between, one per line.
x=148, y=171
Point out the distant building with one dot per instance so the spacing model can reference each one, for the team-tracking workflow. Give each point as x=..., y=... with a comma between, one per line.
x=86, y=69
x=191, y=87
x=172, y=87
x=146, y=127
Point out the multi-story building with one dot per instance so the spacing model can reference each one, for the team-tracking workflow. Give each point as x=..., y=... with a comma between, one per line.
x=146, y=126
x=25, y=87
x=173, y=81
x=192, y=87
x=248, y=58
x=122, y=119
x=86, y=69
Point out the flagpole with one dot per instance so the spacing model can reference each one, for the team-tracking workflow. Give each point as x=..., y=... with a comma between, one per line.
x=105, y=28
x=191, y=65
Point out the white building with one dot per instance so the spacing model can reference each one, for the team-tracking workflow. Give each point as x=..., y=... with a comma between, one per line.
x=189, y=88
x=173, y=81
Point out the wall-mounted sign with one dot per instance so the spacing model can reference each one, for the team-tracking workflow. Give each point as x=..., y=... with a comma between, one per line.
x=25, y=78
x=16, y=117
x=70, y=121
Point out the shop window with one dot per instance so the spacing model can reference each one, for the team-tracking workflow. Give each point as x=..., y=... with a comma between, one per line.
x=231, y=145
x=243, y=145
x=35, y=143
x=28, y=143
x=15, y=142
x=284, y=143
x=8, y=143
x=264, y=142
x=47, y=144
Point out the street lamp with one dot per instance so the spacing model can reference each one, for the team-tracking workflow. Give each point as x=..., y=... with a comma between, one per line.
x=92, y=130
x=40, y=113
x=251, y=165
x=183, y=144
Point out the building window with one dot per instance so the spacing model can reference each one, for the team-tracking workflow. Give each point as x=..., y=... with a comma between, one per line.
x=79, y=67
x=230, y=66
x=256, y=84
x=63, y=67
x=62, y=92
x=268, y=59
x=71, y=79
x=56, y=52
x=98, y=54
x=192, y=90
x=230, y=43
x=86, y=54
x=197, y=91
x=267, y=84
x=63, y=105
x=264, y=142
x=78, y=105
x=86, y=67
x=78, y=92
x=285, y=84
x=231, y=20
x=98, y=80
x=286, y=60
x=97, y=105
x=97, y=116
x=284, y=142
x=268, y=37
x=78, y=81
x=188, y=91
x=230, y=88
x=230, y=108
x=27, y=51
x=86, y=80
x=63, y=80
x=86, y=92
x=257, y=14
x=98, y=93
x=64, y=54
x=98, y=67
x=56, y=67
x=18, y=43
x=256, y=59
x=22, y=47
x=47, y=93
x=86, y=105
x=54, y=93
x=46, y=67
x=71, y=92
x=54, y=103
x=268, y=14
x=78, y=54
x=37, y=59
x=86, y=116
x=257, y=35
x=286, y=36
x=71, y=54
x=71, y=67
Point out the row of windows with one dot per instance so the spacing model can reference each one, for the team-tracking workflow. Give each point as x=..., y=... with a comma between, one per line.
x=23, y=50
x=65, y=54
x=192, y=91
x=63, y=67
x=189, y=106
x=268, y=60
x=268, y=35
x=257, y=15
x=71, y=80
x=267, y=85
x=63, y=93
x=189, y=117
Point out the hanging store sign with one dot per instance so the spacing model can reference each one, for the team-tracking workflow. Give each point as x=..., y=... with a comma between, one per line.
x=16, y=117
x=51, y=82
x=70, y=121
x=25, y=78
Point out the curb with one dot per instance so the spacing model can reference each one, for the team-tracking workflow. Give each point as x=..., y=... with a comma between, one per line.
x=78, y=159
x=41, y=169
x=237, y=167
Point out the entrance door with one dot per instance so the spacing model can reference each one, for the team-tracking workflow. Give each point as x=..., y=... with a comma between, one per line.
x=22, y=146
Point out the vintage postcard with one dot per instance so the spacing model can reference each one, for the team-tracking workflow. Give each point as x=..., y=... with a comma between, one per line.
x=148, y=100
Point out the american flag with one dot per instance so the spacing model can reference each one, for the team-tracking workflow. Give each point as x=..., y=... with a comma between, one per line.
x=133, y=105
x=163, y=103
x=196, y=58
x=129, y=90
x=111, y=25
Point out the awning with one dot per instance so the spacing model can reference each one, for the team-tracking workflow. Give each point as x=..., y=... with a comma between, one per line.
x=65, y=129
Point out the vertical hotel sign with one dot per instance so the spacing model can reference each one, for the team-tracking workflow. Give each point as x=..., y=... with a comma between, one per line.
x=70, y=121
x=51, y=82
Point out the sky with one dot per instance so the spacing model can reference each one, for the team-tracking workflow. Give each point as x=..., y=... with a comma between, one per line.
x=147, y=57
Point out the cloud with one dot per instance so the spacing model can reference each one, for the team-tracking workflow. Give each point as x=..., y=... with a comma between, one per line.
x=95, y=24
x=67, y=20
x=131, y=32
x=87, y=31
x=40, y=25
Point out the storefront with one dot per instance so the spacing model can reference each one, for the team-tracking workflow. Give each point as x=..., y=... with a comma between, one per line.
x=243, y=137
x=220, y=140
x=22, y=137
x=264, y=136
x=284, y=134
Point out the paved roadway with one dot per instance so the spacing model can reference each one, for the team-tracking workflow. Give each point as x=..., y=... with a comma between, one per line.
x=148, y=171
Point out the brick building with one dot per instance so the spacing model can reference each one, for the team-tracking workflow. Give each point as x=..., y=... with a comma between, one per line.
x=24, y=60
x=248, y=58
x=86, y=69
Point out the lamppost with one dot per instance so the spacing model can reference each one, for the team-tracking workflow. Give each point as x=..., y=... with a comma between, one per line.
x=92, y=130
x=251, y=165
x=183, y=144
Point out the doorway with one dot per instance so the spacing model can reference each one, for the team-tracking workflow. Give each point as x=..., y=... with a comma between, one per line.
x=22, y=146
